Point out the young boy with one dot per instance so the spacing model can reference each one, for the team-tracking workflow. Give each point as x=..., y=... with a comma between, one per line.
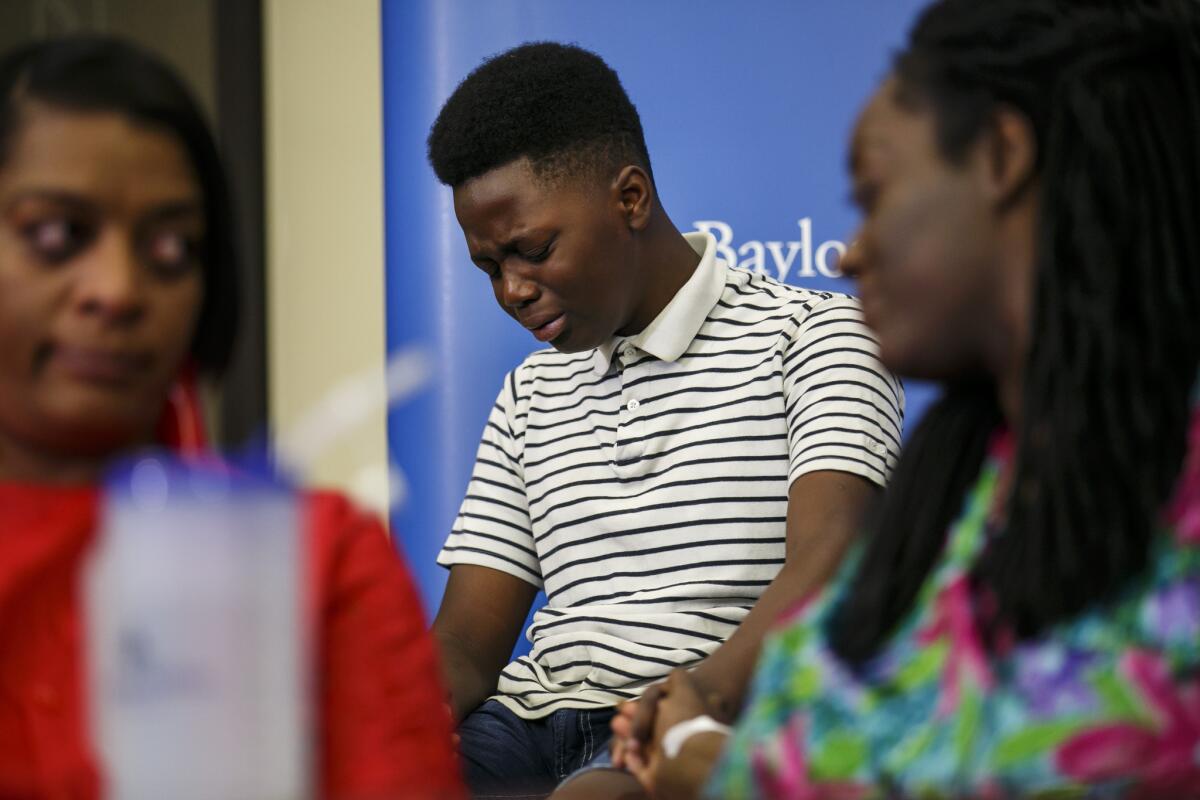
x=688, y=459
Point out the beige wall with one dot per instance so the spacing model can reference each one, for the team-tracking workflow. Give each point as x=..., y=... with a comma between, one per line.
x=324, y=197
x=179, y=30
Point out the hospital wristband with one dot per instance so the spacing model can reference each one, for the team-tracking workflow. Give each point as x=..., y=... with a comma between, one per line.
x=673, y=740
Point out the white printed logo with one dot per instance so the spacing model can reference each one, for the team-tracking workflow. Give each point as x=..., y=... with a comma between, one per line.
x=752, y=254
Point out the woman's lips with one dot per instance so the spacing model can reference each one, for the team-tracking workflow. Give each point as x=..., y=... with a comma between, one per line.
x=869, y=302
x=92, y=365
x=550, y=330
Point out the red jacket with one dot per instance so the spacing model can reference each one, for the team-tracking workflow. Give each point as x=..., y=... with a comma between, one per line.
x=382, y=729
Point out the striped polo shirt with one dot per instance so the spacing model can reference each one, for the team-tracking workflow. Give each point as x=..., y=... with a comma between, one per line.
x=643, y=485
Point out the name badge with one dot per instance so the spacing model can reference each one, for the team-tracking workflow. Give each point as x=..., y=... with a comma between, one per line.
x=196, y=639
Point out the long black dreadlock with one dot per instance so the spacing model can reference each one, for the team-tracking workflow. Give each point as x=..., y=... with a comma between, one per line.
x=1112, y=93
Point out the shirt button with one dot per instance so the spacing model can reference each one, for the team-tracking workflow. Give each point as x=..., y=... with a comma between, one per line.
x=635, y=404
x=879, y=448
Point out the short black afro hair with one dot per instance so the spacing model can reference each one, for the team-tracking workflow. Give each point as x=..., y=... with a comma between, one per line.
x=559, y=105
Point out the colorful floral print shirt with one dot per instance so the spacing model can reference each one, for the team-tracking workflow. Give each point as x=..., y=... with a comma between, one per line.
x=1107, y=705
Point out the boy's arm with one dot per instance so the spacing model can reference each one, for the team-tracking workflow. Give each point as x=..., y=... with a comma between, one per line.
x=824, y=515
x=844, y=413
x=477, y=625
x=493, y=561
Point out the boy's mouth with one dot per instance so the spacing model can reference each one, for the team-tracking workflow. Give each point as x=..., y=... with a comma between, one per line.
x=549, y=330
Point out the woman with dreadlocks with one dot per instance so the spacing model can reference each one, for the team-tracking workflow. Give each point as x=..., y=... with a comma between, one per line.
x=1025, y=615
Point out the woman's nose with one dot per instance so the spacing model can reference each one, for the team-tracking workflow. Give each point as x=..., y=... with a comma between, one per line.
x=111, y=279
x=852, y=260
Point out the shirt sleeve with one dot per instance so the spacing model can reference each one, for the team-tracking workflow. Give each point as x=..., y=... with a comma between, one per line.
x=844, y=408
x=384, y=729
x=493, y=528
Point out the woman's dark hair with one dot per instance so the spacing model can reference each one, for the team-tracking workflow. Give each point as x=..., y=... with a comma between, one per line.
x=1111, y=91
x=99, y=74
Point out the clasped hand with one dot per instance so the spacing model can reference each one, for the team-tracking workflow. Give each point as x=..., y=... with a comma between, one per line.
x=639, y=726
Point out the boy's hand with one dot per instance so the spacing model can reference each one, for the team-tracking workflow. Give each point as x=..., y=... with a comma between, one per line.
x=677, y=699
x=639, y=719
x=634, y=724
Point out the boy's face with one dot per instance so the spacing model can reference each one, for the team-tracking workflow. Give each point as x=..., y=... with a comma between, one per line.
x=559, y=254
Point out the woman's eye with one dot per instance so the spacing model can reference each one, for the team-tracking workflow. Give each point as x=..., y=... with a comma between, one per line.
x=864, y=196
x=171, y=251
x=56, y=239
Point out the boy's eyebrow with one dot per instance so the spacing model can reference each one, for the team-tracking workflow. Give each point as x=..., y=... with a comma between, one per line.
x=512, y=244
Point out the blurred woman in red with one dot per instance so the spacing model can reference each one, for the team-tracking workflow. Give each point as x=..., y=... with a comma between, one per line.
x=117, y=272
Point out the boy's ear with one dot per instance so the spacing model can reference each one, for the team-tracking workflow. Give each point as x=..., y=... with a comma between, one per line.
x=634, y=193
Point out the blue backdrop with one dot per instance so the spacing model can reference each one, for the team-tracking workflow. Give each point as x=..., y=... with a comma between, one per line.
x=746, y=108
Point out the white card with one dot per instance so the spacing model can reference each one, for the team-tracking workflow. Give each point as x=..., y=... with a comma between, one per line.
x=196, y=640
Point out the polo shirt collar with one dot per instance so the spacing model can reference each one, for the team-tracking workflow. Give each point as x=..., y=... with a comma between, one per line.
x=668, y=336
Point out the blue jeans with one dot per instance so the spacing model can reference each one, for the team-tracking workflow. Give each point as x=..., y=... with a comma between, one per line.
x=506, y=756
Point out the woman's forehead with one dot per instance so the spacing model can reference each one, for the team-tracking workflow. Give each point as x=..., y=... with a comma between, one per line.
x=887, y=131
x=96, y=153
